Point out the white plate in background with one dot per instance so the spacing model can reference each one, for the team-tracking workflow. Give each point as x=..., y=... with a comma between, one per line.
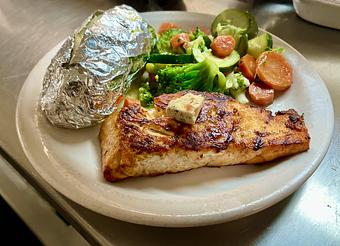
x=322, y=12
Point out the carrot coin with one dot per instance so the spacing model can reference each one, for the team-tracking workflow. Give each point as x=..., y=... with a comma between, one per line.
x=222, y=46
x=248, y=66
x=260, y=94
x=273, y=70
x=166, y=26
x=179, y=39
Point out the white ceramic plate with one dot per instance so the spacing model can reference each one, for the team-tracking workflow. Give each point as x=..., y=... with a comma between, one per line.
x=322, y=12
x=69, y=160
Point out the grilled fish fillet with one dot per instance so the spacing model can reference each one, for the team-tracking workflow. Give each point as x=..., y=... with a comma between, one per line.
x=145, y=142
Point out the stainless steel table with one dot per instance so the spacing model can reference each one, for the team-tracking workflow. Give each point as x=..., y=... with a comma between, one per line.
x=311, y=216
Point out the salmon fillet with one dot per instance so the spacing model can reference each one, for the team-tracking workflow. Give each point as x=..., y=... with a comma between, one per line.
x=145, y=142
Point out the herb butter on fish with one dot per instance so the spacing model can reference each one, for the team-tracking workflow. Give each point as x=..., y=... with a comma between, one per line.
x=185, y=108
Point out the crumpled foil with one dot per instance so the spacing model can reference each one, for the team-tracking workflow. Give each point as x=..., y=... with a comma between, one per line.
x=84, y=80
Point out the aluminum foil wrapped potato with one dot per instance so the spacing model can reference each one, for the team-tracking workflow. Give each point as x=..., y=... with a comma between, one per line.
x=94, y=67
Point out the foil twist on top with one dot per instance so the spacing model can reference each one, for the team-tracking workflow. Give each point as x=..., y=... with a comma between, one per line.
x=94, y=67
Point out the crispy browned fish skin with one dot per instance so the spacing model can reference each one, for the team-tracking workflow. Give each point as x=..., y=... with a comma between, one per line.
x=140, y=142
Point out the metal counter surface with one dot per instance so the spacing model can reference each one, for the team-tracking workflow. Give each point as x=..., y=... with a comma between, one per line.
x=311, y=216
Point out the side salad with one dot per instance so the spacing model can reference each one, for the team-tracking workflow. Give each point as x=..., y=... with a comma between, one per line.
x=231, y=58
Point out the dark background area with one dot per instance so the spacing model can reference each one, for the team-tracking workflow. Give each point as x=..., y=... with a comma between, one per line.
x=13, y=229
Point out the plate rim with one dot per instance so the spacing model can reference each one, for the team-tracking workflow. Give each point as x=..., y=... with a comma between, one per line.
x=197, y=219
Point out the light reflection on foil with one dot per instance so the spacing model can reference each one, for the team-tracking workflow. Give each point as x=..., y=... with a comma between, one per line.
x=91, y=70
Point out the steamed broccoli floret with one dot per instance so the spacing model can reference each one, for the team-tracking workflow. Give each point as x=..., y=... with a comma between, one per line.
x=145, y=96
x=236, y=85
x=153, y=40
x=198, y=44
x=197, y=48
x=203, y=76
x=195, y=34
x=198, y=33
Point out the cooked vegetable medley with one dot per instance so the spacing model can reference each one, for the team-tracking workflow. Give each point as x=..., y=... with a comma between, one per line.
x=233, y=60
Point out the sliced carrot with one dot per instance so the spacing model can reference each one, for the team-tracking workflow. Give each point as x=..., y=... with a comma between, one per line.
x=261, y=94
x=166, y=26
x=273, y=70
x=179, y=40
x=222, y=46
x=248, y=66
